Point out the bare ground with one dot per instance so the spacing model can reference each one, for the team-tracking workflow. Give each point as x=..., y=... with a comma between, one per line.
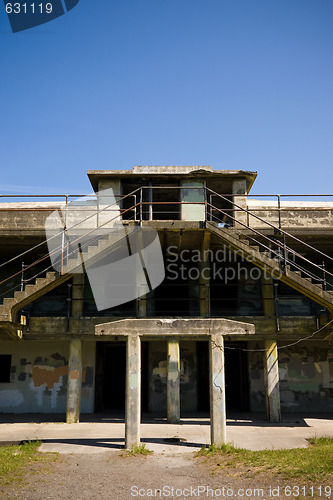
x=111, y=475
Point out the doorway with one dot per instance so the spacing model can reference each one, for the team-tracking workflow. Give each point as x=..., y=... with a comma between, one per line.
x=236, y=376
x=110, y=386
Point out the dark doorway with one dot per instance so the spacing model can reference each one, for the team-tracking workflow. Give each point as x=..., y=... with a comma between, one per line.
x=111, y=376
x=203, y=376
x=236, y=376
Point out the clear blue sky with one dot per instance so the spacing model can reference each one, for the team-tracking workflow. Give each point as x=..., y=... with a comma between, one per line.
x=236, y=84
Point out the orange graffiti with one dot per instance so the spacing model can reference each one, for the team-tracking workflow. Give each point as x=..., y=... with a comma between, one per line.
x=48, y=375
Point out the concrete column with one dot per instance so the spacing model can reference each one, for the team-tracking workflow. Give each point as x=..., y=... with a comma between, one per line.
x=267, y=293
x=173, y=382
x=239, y=188
x=217, y=391
x=77, y=295
x=133, y=392
x=204, y=278
x=74, y=381
x=193, y=194
x=141, y=281
x=107, y=198
x=272, y=382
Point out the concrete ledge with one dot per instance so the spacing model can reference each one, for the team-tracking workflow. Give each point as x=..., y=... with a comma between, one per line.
x=171, y=327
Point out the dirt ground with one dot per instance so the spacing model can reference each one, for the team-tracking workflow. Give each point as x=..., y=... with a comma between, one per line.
x=117, y=476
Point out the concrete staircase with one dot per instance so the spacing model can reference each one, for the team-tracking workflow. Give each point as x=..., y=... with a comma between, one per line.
x=88, y=254
x=263, y=258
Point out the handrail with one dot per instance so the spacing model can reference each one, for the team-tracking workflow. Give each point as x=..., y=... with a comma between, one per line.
x=284, y=247
x=274, y=227
x=96, y=213
x=277, y=243
x=229, y=198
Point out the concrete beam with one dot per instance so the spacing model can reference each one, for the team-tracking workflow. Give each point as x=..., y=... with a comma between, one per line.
x=173, y=382
x=133, y=392
x=174, y=327
x=74, y=381
x=272, y=386
x=217, y=391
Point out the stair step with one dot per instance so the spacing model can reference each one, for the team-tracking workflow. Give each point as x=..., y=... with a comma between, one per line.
x=30, y=289
x=8, y=302
x=20, y=295
x=50, y=276
x=266, y=253
x=40, y=282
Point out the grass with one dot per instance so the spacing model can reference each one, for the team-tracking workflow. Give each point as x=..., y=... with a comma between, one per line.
x=15, y=459
x=139, y=450
x=314, y=463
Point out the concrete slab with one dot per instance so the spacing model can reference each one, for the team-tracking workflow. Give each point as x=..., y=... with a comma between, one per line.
x=106, y=434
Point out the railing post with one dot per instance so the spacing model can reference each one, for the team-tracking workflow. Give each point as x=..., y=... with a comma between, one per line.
x=150, y=200
x=141, y=206
x=69, y=304
x=62, y=252
x=277, y=312
x=284, y=254
x=22, y=278
x=324, y=277
x=279, y=209
x=134, y=195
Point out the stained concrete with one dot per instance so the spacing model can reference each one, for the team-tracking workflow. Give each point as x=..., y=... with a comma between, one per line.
x=99, y=435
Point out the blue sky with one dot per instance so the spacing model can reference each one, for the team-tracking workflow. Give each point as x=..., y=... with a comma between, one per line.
x=236, y=84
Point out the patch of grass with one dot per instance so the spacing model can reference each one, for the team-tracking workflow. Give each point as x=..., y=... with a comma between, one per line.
x=139, y=450
x=15, y=459
x=314, y=463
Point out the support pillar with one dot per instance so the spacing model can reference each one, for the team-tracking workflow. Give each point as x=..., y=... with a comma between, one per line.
x=217, y=390
x=239, y=189
x=204, y=278
x=77, y=295
x=173, y=382
x=133, y=392
x=74, y=381
x=272, y=382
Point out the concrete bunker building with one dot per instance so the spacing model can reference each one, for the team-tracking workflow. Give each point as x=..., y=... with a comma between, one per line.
x=241, y=321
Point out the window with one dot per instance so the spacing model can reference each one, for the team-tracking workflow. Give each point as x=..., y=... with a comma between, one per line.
x=5, y=364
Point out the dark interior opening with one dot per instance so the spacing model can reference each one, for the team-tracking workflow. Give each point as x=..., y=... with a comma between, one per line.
x=236, y=376
x=160, y=199
x=5, y=366
x=111, y=376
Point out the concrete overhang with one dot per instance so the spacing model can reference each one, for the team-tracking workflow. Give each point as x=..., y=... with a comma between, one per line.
x=174, y=171
x=191, y=327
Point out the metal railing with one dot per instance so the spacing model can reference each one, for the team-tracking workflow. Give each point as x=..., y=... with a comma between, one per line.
x=142, y=207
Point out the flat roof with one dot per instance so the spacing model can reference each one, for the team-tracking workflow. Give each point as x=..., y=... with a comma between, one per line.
x=178, y=171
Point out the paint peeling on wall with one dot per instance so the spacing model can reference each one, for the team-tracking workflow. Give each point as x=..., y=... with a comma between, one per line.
x=11, y=397
x=306, y=379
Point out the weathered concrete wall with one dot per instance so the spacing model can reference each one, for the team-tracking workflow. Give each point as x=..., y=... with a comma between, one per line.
x=39, y=373
x=306, y=378
x=158, y=376
x=294, y=214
